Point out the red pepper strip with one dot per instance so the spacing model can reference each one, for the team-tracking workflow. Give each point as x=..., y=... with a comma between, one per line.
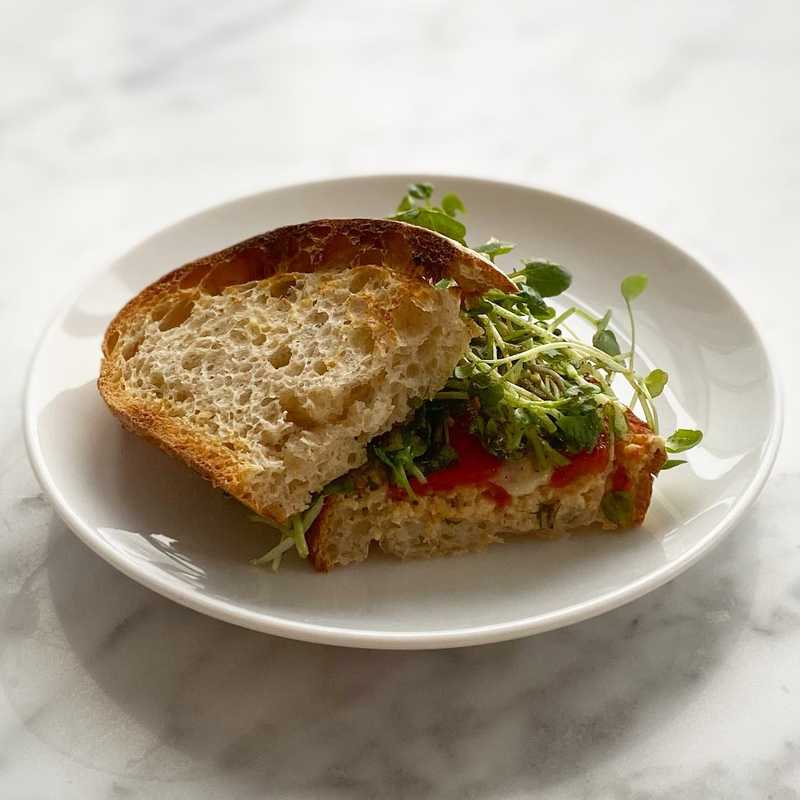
x=396, y=492
x=582, y=464
x=620, y=480
x=636, y=425
x=474, y=467
x=501, y=497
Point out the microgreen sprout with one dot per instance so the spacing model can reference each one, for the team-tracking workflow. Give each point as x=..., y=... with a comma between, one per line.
x=656, y=381
x=604, y=339
x=493, y=248
x=683, y=439
x=416, y=209
x=419, y=447
x=294, y=531
x=546, y=278
x=536, y=390
x=631, y=287
x=451, y=205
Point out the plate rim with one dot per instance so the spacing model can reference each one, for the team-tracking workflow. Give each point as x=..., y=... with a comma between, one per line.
x=265, y=622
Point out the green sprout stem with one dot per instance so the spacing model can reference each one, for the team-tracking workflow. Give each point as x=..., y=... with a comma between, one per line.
x=567, y=313
x=274, y=555
x=298, y=536
x=633, y=334
x=293, y=533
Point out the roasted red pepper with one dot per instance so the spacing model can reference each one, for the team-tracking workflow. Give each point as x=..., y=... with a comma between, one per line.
x=582, y=464
x=636, y=425
x=620, y=480
x=475, y=466
x=502, y=499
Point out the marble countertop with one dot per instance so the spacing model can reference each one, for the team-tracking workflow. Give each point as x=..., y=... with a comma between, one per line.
x=118, y=117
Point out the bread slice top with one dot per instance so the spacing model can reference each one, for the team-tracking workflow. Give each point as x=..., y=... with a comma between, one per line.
x=269, y=366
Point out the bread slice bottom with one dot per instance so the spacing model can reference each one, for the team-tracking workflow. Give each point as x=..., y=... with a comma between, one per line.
x=469, y=518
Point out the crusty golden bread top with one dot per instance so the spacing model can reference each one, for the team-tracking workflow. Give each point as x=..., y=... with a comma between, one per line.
x=327, y=244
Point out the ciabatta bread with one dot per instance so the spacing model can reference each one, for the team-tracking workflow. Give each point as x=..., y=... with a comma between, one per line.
x=269, y=366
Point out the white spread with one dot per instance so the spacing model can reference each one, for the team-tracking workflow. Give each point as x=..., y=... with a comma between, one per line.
x=520, y=477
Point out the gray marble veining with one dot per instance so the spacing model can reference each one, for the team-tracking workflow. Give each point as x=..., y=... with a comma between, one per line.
x=118, y=117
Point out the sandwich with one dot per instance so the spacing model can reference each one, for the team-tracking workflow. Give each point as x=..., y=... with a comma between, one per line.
x=376, y=383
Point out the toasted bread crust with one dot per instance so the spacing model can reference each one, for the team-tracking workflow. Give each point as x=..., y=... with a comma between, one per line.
x=325, y=244
x=643, y=487
x=215, y=463
x=321, y=245
x=639, y=440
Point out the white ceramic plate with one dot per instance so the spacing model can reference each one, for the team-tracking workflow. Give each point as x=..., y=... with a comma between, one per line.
x=165, y=527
